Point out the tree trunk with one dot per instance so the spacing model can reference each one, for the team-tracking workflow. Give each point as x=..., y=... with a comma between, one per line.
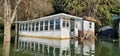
x=7, y=37
x=7, y=30
x=16, y=35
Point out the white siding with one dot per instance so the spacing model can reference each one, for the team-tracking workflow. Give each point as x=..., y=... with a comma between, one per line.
x=86, y=25
x=65, y=32
x=56, y=33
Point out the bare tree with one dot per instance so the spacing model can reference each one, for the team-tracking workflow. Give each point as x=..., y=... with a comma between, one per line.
x=7, y=18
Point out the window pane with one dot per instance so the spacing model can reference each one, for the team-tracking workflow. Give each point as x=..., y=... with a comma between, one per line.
x=52, y=24
x=37, y=24
x=46, y=22
x=57, y=27
x=33, y=26
x=52, y=21
x=20, y=26
x=46, y=25
x=90, y=25
x=41, y=27
x=29, y=26
x=41, y=22
x=57, y=21
x=63, y=23
x=67, y=24
x=51, y=27
x=36, y=28
x=26, y=27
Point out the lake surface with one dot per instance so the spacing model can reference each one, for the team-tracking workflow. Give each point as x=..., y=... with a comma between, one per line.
x=70, y=47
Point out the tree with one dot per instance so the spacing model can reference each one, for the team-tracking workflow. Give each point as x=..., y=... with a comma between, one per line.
x=23, y=9
x=7, y=16
x=31, y=9
x=98, y=9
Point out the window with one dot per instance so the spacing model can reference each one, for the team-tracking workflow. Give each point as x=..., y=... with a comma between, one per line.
x=46, y=25
x=37, y=25
x=23, y=26
x=90, y=25
x=19, y=26
x=57, y=22
x=52, y=24
x=33, y=26
x=30, y=26
x=65, y=23
x=41, y=25
x=26, y=26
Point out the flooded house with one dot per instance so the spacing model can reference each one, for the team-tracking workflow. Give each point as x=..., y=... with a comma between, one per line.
x=55, y=30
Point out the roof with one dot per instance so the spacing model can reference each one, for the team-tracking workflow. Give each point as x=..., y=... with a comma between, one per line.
x=51, y=16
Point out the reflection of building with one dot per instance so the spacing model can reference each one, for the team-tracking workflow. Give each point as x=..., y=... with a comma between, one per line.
x=87, y=47
x=47, y=46
x=57, y=47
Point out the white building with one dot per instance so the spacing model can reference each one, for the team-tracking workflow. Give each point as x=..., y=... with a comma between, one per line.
x=55, y=30
x=59, y=26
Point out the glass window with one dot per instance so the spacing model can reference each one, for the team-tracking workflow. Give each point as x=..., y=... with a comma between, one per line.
x=37, y=25
x=41, y=25
x=90, y=25
x=23, y=26
x=52, y=24
x=26, y=26
x=29, y=26
x=63, y=23
x=46, y=25
x=33, y=26
x=67, y=24
x=19, y=26
x=57, y=22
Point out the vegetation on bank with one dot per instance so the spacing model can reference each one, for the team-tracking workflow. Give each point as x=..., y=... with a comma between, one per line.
x=101, y=10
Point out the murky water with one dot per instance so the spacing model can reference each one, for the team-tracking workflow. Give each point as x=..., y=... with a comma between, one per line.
x=66, y=48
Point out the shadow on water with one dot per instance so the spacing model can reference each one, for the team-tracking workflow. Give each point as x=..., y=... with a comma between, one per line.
x=71, y=47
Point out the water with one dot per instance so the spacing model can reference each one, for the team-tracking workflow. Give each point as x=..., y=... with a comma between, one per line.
x=66, y=48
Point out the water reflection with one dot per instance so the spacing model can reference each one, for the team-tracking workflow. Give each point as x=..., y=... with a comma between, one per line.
x=49, y=47
x=108, y=48
x=6, y=48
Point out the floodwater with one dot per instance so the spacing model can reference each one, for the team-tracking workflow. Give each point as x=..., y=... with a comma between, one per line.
x=70, y=47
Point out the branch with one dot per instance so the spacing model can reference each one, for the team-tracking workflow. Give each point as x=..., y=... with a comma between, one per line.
x=1, y=19
x=15, y=11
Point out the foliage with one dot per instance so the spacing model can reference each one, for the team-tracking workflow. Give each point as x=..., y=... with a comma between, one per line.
x=29, y=9
x=99, y=9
